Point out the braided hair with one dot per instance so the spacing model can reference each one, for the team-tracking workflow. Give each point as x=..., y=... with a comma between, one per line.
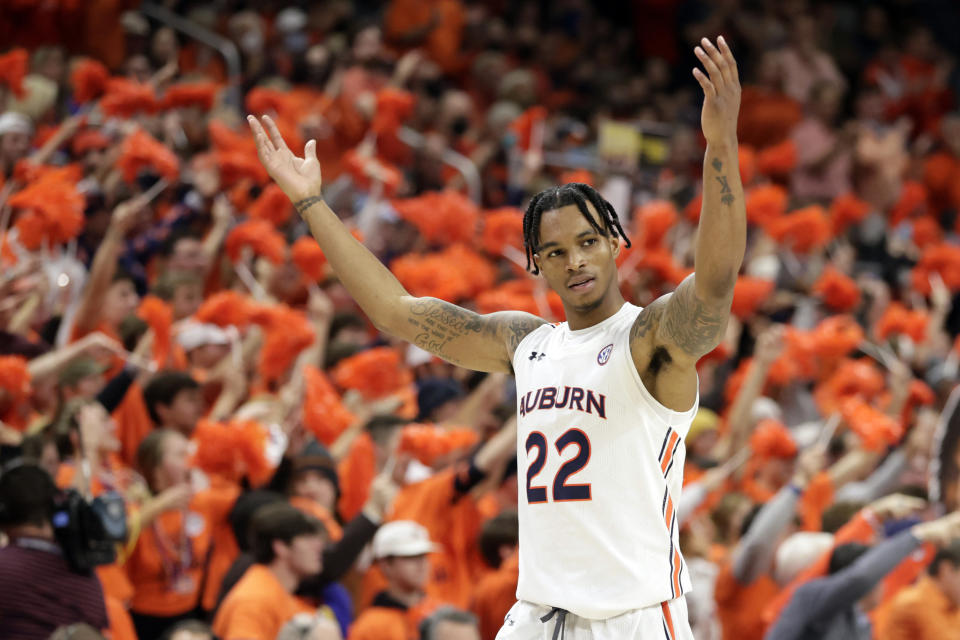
x=560, y=196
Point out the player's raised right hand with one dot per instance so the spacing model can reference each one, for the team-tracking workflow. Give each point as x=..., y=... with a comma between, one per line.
x=299, y=178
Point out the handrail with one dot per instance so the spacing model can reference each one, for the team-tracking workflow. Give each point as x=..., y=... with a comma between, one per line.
x=458, y=161
x=222, y=45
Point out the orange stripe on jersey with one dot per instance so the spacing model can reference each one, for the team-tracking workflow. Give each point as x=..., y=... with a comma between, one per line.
x=668, y=516
x=668, y=619
x=668, y=455
x=676, y=571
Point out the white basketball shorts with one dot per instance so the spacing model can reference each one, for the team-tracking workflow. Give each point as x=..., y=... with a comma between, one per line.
x=667, y=621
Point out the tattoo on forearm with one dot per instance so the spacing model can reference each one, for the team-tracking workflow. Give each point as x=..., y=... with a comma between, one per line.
x=726, y=194
x=302, y=205
x=692, y=325
x=439, y=323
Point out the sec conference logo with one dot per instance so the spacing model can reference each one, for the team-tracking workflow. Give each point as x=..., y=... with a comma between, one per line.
x=604, y=354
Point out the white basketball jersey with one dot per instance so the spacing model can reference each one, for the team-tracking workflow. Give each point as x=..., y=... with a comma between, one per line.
x=600, y=467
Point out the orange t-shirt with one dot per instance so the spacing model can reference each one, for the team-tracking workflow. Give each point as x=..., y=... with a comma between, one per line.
x=495, y=595
x=257, y=607
x=738, y=605
x=121, y=625
x=166, y=565
x=133, y=422
x=920, y=612
x=224, y=551
x=390, y=623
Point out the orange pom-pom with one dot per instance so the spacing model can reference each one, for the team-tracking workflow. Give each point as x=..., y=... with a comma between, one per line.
x=692, y=211
x=214, y=450
x=475, y=270
x=441, y=217
x=513, y=295
x=778, y=160
x=897, y=319
x=140, y=150
x=88, y=140
x=272, y=205
x=356, y=473
x=771, y=439
x=765, y=203
x=654, y=220
x=159, y=317
x=838, y=290
x=394, y=107
x=846, y=210
x=15, y=377
x=200, y=94
x=851, y=378
x=365, y=169
x=260, y=237
x=223, y=138
x=309, y=259
x=876, y=429
x=581, y=176
x=797, y=362
x=662, y=264
x=912, y=202
x=748, y=294
x=803, y=230
x=927, y=232
x=53, y=208
x=940, y=258
x=235, y=166
x=226, y=308
x=89, y=80
x=251, y=443
x=502, y=228
x=261, y=100
x=374, y=373
x=428, y=443
x=287, y=332
x=430, y=276
x=523, y=126
x=126, y=98
x=323, y=412
x=13, y=68
x=836, y=337
x=747, y=159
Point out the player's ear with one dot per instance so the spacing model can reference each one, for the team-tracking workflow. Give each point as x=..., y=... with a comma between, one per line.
x=614, y=241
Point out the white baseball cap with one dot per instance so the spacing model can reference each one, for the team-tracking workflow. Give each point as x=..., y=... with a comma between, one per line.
x=13, y=122
x=403, y=538
x=197, y=334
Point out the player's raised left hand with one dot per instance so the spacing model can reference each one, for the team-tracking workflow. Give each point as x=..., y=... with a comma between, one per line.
x=721, y=90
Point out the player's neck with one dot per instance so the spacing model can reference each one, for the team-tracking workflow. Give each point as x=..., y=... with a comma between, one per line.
x=409, y=598
x=606, y=307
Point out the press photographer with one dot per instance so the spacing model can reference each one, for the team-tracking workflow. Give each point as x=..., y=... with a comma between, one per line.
x=45, y=583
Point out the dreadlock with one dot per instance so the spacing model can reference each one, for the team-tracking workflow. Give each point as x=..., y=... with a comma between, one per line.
x=560, y=196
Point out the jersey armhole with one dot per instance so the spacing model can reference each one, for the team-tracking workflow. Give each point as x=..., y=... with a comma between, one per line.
x=520, y=347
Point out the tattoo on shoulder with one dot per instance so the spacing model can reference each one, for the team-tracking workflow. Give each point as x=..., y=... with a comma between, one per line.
x=302, y=205
x=692, y=325
x=515, y=329
x=647, y=321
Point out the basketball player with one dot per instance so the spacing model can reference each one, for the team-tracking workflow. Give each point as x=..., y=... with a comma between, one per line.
x=605, y=399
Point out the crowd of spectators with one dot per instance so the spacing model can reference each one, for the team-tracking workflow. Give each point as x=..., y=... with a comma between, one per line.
x=170, y=333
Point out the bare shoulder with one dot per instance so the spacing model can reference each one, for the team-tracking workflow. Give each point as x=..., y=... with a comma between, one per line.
x=465, y=337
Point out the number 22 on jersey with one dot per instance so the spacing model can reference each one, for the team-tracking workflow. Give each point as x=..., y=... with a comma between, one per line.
x=562, y=491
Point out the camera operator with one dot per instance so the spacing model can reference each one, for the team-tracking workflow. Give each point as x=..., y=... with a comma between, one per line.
x=38, y=590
